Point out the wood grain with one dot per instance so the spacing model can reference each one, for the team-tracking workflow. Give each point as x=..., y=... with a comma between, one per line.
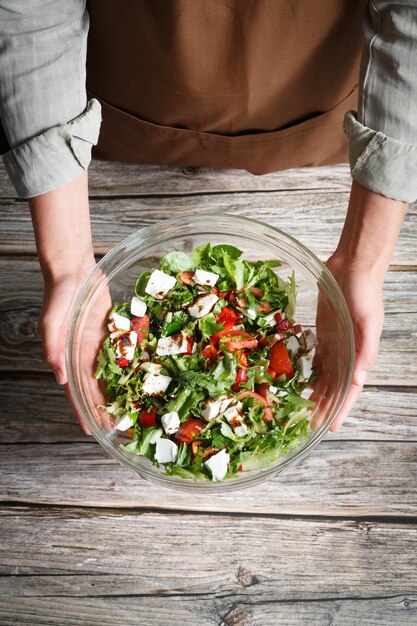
x=116, y=179
x=338, y=478
x=316, y=219
x=99, y=545
x=250, y=561
x=21, y=350
x=193, y=610
x=381, y=413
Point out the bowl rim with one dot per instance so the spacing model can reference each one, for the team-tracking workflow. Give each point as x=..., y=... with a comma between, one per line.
x=177, y=482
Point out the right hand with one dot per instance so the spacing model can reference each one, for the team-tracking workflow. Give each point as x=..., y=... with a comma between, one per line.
x=59, y=296
x=61, y=222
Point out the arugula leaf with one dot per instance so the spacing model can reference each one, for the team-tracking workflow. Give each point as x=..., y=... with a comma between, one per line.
x=205, y=381
x=208, y=326
x=236, y=271
x=175, y=325
x=185, y=402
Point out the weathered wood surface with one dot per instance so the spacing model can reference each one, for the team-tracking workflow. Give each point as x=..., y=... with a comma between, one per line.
x=286, y=552
x=316, y=219
x=161, y=580
x=119, y=179
x=381, y=413
x=20, y=346
x=201, y=609
x=338, y=478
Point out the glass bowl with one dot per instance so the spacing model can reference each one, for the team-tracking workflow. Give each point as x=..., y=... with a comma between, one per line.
x=320, y=306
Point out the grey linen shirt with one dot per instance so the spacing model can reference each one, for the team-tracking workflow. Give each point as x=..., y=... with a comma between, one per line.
x=50, y=128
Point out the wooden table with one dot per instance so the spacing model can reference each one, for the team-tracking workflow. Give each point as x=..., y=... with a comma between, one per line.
x=332, y=541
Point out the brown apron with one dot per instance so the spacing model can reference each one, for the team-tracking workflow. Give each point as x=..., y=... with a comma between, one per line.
x=260, y=85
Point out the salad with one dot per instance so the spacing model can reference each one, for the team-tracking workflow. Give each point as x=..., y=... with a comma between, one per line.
x=206, y=371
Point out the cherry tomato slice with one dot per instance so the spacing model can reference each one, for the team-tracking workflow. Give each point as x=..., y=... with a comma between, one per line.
x=186, y=278
x=234, y=340
x=141, y=326
x=210, y=352
x=241, y=377
x=228, y=317
x=262, y=389
x=147, y=417
x=188, y=430
x=280, y=360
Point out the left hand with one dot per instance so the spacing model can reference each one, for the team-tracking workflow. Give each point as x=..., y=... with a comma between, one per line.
x=363, y=294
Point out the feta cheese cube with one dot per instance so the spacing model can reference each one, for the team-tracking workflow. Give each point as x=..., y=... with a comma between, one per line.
x=307, y=393
x=166, y=451
x=212, y=408
x=218, y=464
x=118, y=322
x=308, y=340
x=235, y=418
x=202, y=305
x=124, y=424
x=242, y=430
x=201, y=277
x=138, y=307
x=170, y=422
x=156, y=384
x=125, y=345
x=159, y=284
x=293, y=345
x=305, y=365
x=175, y=344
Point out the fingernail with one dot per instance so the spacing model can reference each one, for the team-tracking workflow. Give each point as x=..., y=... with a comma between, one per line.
x=58, y=376
x=361, y=378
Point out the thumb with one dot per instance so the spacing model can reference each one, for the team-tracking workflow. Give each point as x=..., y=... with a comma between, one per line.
x=367, y=343
x=53, y=325
x=53, y=339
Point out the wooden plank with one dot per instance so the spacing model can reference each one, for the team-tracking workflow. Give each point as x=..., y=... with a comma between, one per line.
x=20, y=347
x=315, y=219
x=36, y=410
x=250, y=561
x=110, y=179
x=233, y=610
x=338, y=478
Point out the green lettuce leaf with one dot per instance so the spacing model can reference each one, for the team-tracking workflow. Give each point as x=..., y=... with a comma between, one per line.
x=177, y=262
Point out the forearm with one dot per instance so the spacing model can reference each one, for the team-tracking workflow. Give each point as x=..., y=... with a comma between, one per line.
x=61, y=222
x=370, y=232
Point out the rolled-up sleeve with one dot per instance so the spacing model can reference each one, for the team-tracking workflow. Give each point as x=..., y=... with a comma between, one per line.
x=382, y=135
x=49, y=126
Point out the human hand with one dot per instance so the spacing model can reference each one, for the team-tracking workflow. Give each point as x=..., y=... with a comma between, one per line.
x=61, y=222
x=59, y=297
x=363, y=294
x=359, y=265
